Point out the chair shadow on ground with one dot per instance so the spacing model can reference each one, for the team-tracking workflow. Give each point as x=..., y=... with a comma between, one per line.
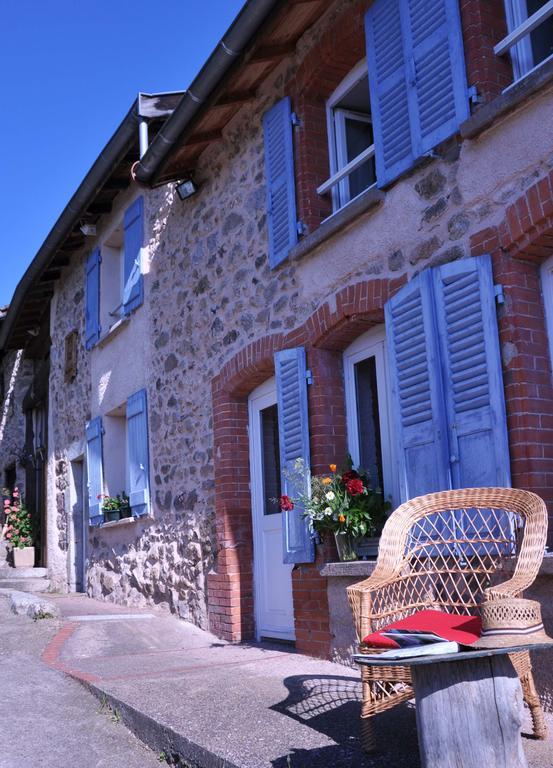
x=331, y=705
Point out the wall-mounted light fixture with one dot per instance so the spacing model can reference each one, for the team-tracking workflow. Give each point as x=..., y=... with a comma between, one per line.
x=186, y=189
x=88, y=230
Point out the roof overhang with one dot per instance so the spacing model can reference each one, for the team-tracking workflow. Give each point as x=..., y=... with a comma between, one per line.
x=263, y=34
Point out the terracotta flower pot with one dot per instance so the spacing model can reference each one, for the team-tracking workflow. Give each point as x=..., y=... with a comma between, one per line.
x=24, y=557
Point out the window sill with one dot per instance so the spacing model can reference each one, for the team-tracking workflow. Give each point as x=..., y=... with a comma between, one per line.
x=339, y=220
x=124, y=521
x=512, y=97
x=366, y=567
x=113, y=331
x=350, y=568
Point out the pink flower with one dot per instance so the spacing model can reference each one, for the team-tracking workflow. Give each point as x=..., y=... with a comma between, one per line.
x=6, y=502
x=286, y=503
x=8, y=535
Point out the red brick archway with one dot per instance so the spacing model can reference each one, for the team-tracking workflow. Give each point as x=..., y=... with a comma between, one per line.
x=325, y=334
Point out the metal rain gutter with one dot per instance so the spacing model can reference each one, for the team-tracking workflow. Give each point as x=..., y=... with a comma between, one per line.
x=248, y=21
x=112, y=154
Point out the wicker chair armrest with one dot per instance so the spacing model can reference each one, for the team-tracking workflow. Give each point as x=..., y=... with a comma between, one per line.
x=360, y=596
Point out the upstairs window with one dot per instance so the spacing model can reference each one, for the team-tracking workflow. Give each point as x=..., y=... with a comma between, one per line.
x=530, y=38
x=351, y=142
x=112, y=279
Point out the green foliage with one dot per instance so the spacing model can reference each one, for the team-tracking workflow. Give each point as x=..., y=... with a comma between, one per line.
x=18, y=525
x=114, y=503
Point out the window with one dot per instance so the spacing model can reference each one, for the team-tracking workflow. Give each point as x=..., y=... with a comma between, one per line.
x=530, y=38
x=115, y=452
x=117, y=455
x=112, y=279
x=547, y=289
x=351, y=143
x=368, y=417
x=114, y=276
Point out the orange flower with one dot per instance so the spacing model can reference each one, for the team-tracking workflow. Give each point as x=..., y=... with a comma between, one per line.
x=326, y=480
x=332, y=467
x=341, y=519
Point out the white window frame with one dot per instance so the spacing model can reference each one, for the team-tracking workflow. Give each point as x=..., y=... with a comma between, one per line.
x=518, y=41
x=372, y=343
x=547, y=292
x=339, y=167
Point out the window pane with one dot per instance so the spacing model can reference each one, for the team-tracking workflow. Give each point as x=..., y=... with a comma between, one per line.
x=359, y=136
x=368, y=423
x=542, y=37
x=271, y=459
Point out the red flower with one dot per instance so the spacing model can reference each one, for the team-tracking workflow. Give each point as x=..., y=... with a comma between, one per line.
x=286, y=503
x=351, y=474
x=354, y=486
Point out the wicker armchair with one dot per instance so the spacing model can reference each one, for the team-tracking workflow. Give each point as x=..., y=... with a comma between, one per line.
x=447, y=551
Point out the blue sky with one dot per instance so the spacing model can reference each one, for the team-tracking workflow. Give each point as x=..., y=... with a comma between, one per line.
x=70, y=71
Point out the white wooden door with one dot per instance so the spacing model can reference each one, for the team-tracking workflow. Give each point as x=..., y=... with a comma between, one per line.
x=274, y=610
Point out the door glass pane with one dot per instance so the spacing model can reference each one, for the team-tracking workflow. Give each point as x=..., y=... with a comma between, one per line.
x=542, y=37
x=271, y=460
x=368, y=423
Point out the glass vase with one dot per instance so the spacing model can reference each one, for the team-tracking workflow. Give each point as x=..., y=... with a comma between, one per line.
x=345, y=544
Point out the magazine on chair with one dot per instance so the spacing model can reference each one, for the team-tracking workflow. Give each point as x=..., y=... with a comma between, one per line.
x=411, y=643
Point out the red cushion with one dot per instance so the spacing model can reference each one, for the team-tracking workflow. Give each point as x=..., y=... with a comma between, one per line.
x=450, y=626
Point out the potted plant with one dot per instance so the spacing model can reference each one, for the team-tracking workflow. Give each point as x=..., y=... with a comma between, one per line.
x=18, y=531
x=115, y=507
x=342, y=503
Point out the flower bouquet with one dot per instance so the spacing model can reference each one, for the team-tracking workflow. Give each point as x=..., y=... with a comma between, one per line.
x=17, y=530
x=343, y=503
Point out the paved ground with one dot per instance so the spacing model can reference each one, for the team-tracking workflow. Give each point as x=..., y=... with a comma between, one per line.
x=48, y=719
x=225, y=706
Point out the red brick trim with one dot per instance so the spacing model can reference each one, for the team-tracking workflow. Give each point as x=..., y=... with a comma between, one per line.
x=518, y=246
x=484, y=24
x=325, y=334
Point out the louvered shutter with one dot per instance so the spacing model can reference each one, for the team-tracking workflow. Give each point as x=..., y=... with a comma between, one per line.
x=279, y=170
x=294, y=444
x=138, y=479
x=94, y=470
x=133, y=288
x=92, y=306
x=417, y=79
x=465, y=301
x=434, y=45
x=420, y=426
x=388, y=86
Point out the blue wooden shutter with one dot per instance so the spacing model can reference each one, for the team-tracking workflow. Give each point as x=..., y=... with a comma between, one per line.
x=417, y=79
x=392, y=123
x=94, y=470
x=92, y=309
x=465, y=301
x=436, y=67
x=133, y=288
x=138, y=478
x=293, y=428
x=420, y=425
x=279, y=170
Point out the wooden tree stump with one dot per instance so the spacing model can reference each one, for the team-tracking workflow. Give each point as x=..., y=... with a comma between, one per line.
x=469, y=714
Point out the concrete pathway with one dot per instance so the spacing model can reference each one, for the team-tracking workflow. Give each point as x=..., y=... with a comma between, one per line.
x=224, y=706
x=48, y=719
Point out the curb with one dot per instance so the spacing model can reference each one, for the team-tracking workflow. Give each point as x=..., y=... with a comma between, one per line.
x=158, y=737
x=26, y=604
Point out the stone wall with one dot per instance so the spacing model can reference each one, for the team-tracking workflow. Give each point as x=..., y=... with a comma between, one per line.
x=17, y=374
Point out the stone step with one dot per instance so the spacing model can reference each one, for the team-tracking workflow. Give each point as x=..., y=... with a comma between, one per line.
x=26, y=585
x=8, y=572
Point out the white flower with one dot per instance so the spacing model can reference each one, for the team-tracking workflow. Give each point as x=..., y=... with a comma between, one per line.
x=328, y=511
x=330, y=495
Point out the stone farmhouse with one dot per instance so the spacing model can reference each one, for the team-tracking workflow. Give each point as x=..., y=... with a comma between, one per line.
x=338, y=240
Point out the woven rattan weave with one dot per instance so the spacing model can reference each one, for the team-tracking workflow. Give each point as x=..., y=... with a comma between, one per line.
x=450, y=551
